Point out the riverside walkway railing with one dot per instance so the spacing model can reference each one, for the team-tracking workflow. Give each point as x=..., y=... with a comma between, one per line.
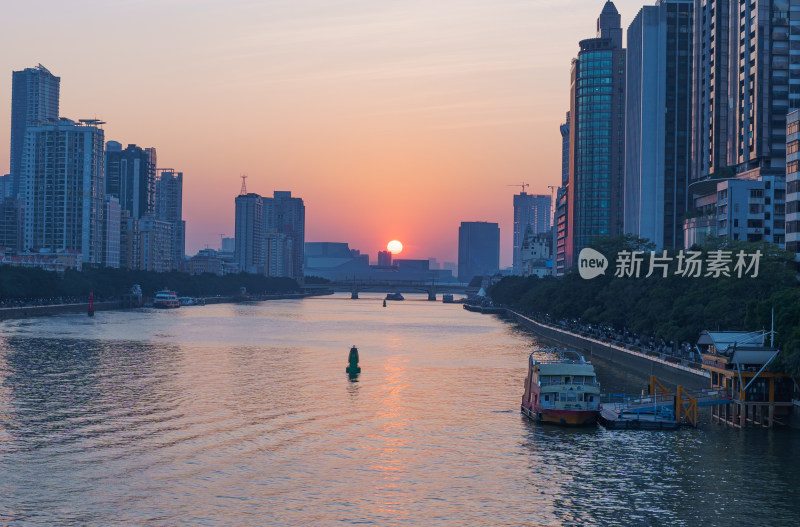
x=591, y=340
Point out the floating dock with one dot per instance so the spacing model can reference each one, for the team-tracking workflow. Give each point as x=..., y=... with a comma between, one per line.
x=614, y=418
x=659, y=409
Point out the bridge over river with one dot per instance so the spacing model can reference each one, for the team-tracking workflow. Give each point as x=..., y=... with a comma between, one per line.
x=394, y=286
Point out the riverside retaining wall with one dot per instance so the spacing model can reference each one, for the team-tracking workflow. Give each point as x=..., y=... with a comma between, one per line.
x=666, y=371
x=57, y=309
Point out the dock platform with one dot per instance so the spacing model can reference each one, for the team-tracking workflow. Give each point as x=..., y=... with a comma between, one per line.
x=614, y=418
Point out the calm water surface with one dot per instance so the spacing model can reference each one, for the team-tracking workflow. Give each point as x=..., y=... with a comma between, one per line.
x=243, y=415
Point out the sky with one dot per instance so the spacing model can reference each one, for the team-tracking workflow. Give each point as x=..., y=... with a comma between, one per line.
x=392, y=119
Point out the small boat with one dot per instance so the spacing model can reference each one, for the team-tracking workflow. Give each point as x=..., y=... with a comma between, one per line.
x=562, y=391
x=187, y=301
x=447, y=299
x=166, y=300
x=394, y=296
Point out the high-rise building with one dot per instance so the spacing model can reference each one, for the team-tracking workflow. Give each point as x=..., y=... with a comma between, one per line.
x=478, y=249
x=34, y=100
x=279, y=252
x=129, y=254
x=169, y=208
x=384, y=259
x=658, y=124
x=793, y=183
x=111, y=232
x=562, y=203
x=597, y=136
x=155, y=245
x=249, y=233
x=6, y=186
x=529, y=210
x=710, y=101
x=130, y=176
x=11, y=224
x=284, y=214
x=747, y=77
x=64, y=193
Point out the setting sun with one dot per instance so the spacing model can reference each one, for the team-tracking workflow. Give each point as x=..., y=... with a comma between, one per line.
x=394, y=247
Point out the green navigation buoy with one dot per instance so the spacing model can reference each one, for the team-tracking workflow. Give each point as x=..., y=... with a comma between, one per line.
x=353, y=368
x=384, y=303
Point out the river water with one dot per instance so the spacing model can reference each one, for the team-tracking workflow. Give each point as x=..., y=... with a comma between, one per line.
x=243, y=415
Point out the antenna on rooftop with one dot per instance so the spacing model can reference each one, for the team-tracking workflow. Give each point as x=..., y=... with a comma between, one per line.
x=244, y=185
x=772, y=328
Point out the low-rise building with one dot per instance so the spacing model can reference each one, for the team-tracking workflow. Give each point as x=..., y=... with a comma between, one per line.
x=536, y=254
x=58, y=261
x=752, y=210
x=207, y=261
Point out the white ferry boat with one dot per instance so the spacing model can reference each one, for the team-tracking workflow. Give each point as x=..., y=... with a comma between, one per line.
x=166, y=300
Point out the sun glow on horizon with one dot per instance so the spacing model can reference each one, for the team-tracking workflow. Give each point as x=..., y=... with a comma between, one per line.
x=394, y=247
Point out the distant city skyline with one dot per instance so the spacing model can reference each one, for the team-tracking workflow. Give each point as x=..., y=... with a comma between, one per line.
x=426, y=107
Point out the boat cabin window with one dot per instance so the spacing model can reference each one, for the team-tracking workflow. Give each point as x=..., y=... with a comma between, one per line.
x=571, y=396
x=567, y=380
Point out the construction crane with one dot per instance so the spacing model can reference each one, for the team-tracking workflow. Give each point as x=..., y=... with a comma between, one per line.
x=523, y=185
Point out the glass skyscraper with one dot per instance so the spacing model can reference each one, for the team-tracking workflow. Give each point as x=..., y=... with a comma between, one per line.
x=34, y=100
x=597, y=133
x=659, y=122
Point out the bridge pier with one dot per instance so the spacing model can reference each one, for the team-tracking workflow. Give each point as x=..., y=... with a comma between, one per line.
x=432, y=296
x=354, y=294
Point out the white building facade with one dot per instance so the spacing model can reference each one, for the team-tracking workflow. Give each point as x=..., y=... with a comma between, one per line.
x=62, y=165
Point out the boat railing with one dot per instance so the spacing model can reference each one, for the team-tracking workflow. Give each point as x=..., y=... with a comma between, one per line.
x=572, y=383
x=559, y=361
x=581, y=406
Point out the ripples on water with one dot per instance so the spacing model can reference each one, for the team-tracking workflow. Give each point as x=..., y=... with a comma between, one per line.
x=242, y=414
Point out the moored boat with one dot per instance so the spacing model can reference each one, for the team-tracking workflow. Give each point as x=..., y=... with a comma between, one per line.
x=394, y=296
x=166, y=300
x=563, y=390
x=191, y=301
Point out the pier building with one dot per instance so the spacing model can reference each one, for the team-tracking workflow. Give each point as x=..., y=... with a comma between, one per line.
x=738, y=362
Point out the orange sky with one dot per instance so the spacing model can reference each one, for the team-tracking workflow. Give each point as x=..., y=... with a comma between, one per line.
x=391, y=118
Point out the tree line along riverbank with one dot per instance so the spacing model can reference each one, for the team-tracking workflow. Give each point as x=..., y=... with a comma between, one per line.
x=21, y=286
x=673, y=308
